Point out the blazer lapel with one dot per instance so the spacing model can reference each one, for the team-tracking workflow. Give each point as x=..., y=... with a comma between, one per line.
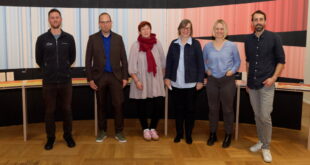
x=112, y=50
x=101, y=48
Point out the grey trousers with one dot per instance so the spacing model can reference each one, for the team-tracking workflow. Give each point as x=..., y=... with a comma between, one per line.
x=262, y=104
x=221, y=91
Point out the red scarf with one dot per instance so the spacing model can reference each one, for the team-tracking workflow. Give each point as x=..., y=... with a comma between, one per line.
x=146, y=45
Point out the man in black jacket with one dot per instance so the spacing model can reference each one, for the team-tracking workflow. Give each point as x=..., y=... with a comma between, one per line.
x=55, y=53
x=265, y=60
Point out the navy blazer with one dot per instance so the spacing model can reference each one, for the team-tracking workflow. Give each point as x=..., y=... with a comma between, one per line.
x=193, y=61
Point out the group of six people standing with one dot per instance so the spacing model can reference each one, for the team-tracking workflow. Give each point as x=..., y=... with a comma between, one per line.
x=185, y=70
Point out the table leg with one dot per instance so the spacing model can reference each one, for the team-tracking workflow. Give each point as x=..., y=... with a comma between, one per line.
x=308, y=139
x=237, y=113
x=166, y=113
x=96, y=114
x=24, y=100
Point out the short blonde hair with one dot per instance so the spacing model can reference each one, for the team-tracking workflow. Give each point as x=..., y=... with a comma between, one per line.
x=225, y=27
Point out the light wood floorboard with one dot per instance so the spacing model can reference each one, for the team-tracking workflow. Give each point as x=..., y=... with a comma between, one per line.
x=288, y=146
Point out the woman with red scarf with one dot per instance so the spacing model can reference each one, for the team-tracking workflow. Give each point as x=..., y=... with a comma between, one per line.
x=146, y=67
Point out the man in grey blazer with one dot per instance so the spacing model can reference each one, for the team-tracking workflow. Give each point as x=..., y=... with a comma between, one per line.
x=107, y=71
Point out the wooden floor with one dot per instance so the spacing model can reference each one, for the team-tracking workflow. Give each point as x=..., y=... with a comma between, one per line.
x=288, y=147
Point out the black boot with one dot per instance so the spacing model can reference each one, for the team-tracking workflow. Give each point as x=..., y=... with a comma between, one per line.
x=212, y=139
x=70, y=141
x=189, y=140
x=188, y=130
x=188, y=136
x=49, y=144
x=178, y=138
x=227, y=141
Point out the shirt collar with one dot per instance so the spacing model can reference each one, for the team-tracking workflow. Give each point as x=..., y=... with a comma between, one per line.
x=189, y=41
x=261, y=36
x=105, y=37
x=49, y=30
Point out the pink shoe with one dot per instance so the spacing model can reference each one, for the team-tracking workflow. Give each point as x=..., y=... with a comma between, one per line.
x=147, y=134
x=154, y=134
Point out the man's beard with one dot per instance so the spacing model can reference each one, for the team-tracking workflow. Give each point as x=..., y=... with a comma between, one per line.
x=259, y=28
x=55, y=27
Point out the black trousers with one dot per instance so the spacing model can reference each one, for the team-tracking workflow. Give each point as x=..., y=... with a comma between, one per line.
x=184, y=101
x=108, y=82
x=221, y=91
x=149, y=108
x=61, y=95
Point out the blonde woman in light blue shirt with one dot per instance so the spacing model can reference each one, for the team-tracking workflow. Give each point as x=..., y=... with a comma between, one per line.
x=222, y=61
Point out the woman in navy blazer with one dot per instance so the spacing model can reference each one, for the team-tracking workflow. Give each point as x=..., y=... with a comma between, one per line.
x=184, y=76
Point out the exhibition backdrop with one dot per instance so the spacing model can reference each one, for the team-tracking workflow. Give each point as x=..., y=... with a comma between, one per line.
x=22, y=21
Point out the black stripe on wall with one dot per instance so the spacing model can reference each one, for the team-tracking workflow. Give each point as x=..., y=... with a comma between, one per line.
x=293, y=38
x=124, y=3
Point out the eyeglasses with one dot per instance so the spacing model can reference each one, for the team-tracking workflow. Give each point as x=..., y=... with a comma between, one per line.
x=105, y=22
x=186, y=28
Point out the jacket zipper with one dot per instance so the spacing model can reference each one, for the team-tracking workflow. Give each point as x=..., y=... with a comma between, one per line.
x=57, y=60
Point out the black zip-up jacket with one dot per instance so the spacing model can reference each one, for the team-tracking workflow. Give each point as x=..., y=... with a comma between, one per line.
x=55, y=57
x=193, y=62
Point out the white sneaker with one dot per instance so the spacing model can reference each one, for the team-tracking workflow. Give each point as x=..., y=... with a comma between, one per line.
x=267, y=155
x=256, y=147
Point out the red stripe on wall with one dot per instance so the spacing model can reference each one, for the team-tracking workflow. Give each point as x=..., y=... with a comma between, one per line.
x=282, y=16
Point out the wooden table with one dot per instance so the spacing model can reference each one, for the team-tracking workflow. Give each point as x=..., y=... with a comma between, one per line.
x=280, y=86
x=24, y=84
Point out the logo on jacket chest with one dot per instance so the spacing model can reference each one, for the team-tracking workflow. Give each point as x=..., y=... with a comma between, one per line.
x=51, y=44
x=48, y=44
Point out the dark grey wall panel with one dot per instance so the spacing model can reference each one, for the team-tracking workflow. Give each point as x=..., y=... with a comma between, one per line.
x=293, y=38
x=123, y=3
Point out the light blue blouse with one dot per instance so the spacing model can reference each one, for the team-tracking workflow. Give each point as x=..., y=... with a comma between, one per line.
x=180, y=82
x=221, y=61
